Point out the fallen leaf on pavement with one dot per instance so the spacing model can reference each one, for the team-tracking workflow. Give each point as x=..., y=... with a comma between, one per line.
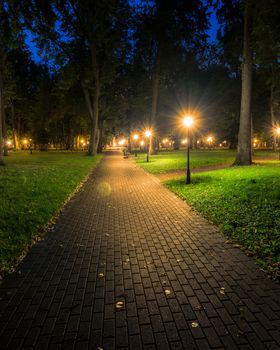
x=194, y=324
x=119, y=304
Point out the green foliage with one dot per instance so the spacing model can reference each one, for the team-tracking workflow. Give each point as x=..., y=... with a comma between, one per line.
x=177, y=160
x=245, y=203
x=33, y=188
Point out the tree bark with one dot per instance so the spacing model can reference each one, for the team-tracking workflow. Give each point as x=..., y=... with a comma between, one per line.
x=100, y=141
x=15, y=136
x=272, y=105
x=244, y=147
x=153, y=118
x=93, y=107
x=2, y=162
x=4, y=132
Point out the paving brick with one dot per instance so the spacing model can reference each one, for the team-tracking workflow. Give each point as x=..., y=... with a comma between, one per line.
x=171, y=331
x=121, y=337
x=161, y=341
x=147, y=334
x=212, y=337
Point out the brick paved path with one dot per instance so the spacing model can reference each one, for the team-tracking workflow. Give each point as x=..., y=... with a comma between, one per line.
x=129, y=265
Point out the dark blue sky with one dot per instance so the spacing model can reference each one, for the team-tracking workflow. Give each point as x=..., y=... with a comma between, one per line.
x=214, y=27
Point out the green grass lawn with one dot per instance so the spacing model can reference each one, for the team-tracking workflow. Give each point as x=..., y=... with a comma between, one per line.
x=176, y=160
x=244, y=202
x=33, y=188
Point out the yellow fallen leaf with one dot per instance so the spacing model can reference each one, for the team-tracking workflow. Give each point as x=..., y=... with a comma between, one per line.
x=119, y=304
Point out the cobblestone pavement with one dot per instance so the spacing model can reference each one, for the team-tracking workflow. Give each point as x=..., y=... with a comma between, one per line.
x=130, y=266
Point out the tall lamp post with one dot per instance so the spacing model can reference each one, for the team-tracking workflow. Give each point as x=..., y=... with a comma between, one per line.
x=278, y=136
x=188, y=122
x=148, y=135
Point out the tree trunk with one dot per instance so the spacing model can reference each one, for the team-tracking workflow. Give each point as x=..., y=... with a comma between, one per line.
x=100, y=141
x=1, y=121
x=153, y=120
x=91, y=146
x=93, y=107
x=272, y=105
x=244, y=155
x=15, y=136
x=4, y=131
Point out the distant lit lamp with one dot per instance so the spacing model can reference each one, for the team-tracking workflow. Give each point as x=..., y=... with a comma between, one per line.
x=188, y=122
x=122, y=142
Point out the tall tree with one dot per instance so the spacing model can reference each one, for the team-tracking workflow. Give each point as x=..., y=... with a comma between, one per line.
x=244, y=151
x=8, y=36
x=98, y=29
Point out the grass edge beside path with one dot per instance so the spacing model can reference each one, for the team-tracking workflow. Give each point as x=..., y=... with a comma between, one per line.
x=49, y=182
x=244, y=203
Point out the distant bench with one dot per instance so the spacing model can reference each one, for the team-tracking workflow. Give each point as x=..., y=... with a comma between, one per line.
x=126, y=154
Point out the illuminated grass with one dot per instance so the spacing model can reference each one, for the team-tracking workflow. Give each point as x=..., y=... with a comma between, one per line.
x=33, y=188
x=176, y=160
x=164, y=162
x=244, y=202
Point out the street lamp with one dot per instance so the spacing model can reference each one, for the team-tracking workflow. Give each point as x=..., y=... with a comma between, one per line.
x=148, y=135
x=188, y=122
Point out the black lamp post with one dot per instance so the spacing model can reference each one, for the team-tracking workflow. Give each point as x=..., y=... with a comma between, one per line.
x=188, y=179
x=188, y=121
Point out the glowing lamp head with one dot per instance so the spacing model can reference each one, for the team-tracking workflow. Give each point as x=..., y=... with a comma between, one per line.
x=135, y=137
x=278, y=131
x=142, y=143
x=188, y=121
x=82, y=141
x=148, y=133
x=25, y=142
x=9, y=143
x=210, y=139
